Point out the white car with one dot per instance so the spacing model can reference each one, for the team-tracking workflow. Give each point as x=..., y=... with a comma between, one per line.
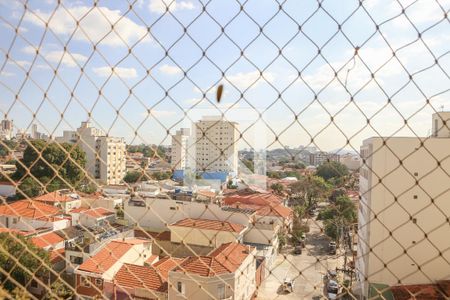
x=332, y=289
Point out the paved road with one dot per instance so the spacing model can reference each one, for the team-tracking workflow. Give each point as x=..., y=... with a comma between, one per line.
x=307, y=269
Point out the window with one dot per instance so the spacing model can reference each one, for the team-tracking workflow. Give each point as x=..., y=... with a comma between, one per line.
x=180, y=287
x=221, y=291
x=98, y=282
x=14, y=220
x=85, y=282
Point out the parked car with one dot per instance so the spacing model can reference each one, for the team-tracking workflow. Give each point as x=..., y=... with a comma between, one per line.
x=298, y=249
x=332, y=248
x=332, y=289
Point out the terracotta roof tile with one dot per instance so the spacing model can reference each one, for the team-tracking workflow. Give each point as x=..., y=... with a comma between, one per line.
x=152, y=259
x=206, y=266
x=166, y=264
x=231, y=255
x=144, y=277
x=438, y=291
x=29, y=209
x=57, y=255
x=98, y=212
x=45, y=240
x=108, y=256
x=57, y=197
x=210, y=225
x=160, y=236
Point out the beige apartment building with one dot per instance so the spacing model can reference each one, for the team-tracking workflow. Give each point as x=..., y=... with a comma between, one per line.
x=105, y=156
x=216, y=145
x=179, y=149
x=403, y=232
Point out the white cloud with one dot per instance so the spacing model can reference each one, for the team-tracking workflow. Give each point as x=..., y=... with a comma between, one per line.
x=94, y=24
x=29, y=50
x=118, y=71
x=19, y=63
x=420, y=11
x=245, y=80
x=160, y=6
x=170, y=70
x=69, y=60
x=7, y=74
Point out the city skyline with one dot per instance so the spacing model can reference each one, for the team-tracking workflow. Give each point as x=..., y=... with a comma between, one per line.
x=314, y=98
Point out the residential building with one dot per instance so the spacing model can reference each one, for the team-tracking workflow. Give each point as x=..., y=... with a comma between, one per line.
x=228, y=272
x=205, y=232
x=29, y=215
x=318, y=158
x=216, y=145
x=179, y=149
x=65, y=200
x=48, y=241
x=351, y=161
x=403, y=213
x=96, y=217
x=95, y=274
x=6, y=129
x=105, y=155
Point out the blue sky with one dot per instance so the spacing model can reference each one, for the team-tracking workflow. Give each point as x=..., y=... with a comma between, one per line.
x=168, y=58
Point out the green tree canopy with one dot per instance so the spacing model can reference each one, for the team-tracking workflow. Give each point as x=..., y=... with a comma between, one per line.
x=332, y=170
x=53, y=165
x=309, y=189
x=278, y=188
x=22, y=260
x=132, y=177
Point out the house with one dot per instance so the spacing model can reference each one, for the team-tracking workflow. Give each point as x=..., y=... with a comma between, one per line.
x=228, y=272
x=63, y=199
x=205, y=232
x=29, y=215
x=95, y=217
x=95, y=276
x=48, y=241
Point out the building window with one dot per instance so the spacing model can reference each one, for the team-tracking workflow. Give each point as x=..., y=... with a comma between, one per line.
x=180, y=287
x=14, y=220
x=98, y=282
x=221, y=291
x=85, y=282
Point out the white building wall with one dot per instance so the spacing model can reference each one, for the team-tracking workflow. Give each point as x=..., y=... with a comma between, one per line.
x=203, y=237
x=405, y=211
x=179, y=149
x=161, y=212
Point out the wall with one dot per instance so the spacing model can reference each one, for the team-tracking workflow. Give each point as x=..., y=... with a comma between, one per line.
x=161, y=212
x=31, y=224
x=7, y=190
x=394, y=201
x=202, y=237
x=168, y=248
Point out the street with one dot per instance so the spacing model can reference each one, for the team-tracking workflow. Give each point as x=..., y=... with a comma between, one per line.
x=306, y=269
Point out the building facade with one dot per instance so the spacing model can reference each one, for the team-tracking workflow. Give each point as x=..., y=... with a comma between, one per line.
x=179, y=149
x=105, y=155
x=403, y=213
x=6, y=129
x=216, y=145
x=318, y=158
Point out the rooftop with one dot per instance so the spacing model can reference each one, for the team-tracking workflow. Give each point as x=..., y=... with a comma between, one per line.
x=210, y=225
x=144, y=277
x=57, y=196
x=29, y=209
x=46, y=240
x=109, y=255
x=166, y=264
x=98, y=212
x=205, y=266
x=231, y=255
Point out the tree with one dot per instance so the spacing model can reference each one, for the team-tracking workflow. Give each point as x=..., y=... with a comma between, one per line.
x=332, y=170
x=338, y=216
x=309, y=188
x=32, y=262
x=132, y=177
x=278, y=188
x=6, y=147
x=60, y=289
x=29, y=187
x=54, y=165
x=161, y=175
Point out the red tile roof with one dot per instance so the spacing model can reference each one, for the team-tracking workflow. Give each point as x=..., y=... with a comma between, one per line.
x=160, y=236
x=231, y=255
x=29, y=209
x=57, y=255
x=152, y=259
x=437, y=291
x=109, y=255
x=210, y=225
x=253, y=198
x=205, y=266
x=98, y=212
x=206, y=193
x=55, y=197
x=45, y=240
x=266, y=210
x=166, y=264
x=78, y=210
x=15, y=231
x=144, y=277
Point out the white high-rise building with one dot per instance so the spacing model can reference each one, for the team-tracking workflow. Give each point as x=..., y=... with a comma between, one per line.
x=179, y=149
x=105, y=156
x=403, y=223
x=216, y=145
x=6, y=129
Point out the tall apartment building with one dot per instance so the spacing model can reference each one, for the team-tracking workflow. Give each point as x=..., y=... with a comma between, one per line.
x=318, y=158
x=179, y=149
x=216, y=145
x=105, y=156
x=403, y=230
x=6, y=129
